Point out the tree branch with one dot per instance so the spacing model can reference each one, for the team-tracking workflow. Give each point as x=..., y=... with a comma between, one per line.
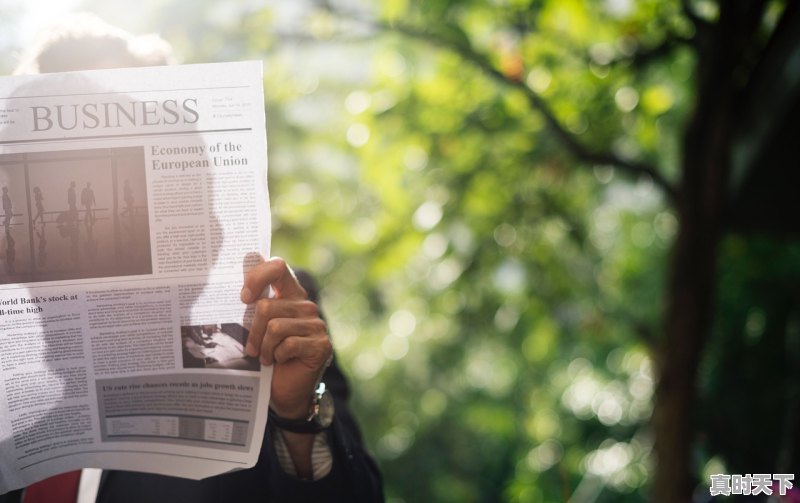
x=481, y=61
x=576, y=148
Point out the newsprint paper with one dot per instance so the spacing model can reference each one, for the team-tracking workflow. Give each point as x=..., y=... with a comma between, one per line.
x=130, y=199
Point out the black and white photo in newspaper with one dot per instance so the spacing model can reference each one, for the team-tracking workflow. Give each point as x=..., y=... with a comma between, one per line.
x=131, y=198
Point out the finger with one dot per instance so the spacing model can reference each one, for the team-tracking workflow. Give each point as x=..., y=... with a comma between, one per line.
x=279, y=329
x=269, y=309
x=313, y=352
x=274, y=272
x=251, y=261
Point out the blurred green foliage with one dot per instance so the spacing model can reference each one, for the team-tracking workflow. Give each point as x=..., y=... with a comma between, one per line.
x=493, y=297
x=485, y=293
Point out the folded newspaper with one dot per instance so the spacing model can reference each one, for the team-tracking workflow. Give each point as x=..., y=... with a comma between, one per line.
x=131, y=198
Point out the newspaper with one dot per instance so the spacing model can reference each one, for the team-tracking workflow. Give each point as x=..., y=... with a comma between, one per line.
x=132, y=199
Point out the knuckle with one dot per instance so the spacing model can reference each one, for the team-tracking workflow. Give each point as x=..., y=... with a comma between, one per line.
x=322, y=351
x=274, y=326
x=319, y=327
x=279, y=262
x=308, y=309
x=263, y=308
x=326, y=347
x=288, y=347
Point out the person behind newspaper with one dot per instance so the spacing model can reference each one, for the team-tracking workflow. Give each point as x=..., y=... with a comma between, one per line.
x=298, y=461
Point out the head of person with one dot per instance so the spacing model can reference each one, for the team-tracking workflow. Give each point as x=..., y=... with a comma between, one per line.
x=83, y=41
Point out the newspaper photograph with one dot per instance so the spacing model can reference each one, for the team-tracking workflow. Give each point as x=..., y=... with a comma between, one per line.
x=132, y=202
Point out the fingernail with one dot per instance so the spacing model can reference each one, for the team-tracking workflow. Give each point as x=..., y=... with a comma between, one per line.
x=246, y=295
x=250, y=350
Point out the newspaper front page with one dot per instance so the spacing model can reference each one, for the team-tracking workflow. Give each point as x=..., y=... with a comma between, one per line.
x=132, y=201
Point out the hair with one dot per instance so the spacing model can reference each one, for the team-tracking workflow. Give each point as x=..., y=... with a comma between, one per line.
x=84, y=41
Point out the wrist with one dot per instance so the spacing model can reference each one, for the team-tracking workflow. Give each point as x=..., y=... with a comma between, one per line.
x=293, y=412
x=316, y=417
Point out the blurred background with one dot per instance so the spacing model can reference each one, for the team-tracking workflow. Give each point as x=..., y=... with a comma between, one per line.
x=558, y=239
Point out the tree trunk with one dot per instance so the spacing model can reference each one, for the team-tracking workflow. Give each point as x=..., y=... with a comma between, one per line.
x=690, y=299
x=701, y=201
x=688, y=317
x=691, y=287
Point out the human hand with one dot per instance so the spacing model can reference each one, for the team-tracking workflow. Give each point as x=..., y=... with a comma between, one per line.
x=287, y=331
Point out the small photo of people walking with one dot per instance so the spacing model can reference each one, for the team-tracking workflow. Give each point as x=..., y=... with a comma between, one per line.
x=74, y=214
